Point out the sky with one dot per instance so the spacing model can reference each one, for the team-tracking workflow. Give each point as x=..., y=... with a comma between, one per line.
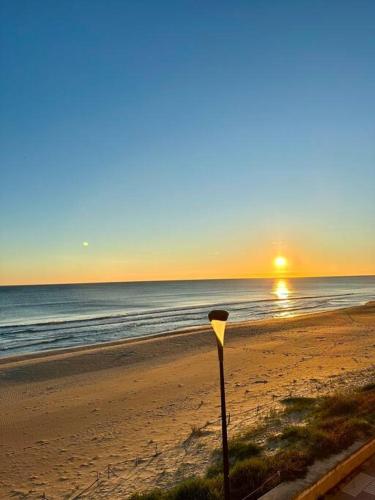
x=185, y=139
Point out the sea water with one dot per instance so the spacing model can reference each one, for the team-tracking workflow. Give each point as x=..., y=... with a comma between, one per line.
x=38, y=318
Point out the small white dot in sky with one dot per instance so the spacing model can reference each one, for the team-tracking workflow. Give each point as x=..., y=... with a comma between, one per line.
x=85, y=243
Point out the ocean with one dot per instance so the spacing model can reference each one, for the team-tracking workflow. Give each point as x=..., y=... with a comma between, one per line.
x=43, y=317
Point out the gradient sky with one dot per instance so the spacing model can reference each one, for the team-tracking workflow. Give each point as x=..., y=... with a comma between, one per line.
x=186, y=139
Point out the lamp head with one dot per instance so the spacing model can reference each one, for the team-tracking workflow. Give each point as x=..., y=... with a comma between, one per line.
x=218, y=319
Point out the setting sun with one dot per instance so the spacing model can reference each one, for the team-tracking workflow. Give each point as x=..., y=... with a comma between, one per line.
x=280, y=262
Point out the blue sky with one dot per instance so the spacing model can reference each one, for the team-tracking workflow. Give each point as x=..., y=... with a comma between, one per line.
x=149, y=128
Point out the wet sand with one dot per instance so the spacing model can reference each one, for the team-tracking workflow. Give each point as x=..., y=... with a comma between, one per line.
x=126, y=410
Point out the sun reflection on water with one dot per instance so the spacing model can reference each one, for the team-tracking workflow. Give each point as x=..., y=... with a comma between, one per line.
x=281, y=289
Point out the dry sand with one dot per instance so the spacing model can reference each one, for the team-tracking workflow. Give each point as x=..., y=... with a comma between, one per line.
x=67, y=415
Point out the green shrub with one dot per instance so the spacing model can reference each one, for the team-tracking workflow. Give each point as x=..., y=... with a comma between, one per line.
x=295, y=434
x=151, y=495
x=338, y=405
x=239, y=449
x=291, y=463
x=329, y=424
x=191, y=489
x=298, y=404
x=359, y=426
x=323, y=444
x=366, y=405
x=247, y=475
x=194, y=489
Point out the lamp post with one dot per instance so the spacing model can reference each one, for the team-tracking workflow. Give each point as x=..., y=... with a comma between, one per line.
x=218, y=319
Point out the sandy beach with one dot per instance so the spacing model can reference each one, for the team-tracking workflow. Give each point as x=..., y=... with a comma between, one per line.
x=124, y=412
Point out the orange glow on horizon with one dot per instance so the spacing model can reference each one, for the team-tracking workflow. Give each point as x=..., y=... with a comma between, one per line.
x=91, y=264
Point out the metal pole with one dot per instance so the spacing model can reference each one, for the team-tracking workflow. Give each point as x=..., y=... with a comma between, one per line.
x=224, y=424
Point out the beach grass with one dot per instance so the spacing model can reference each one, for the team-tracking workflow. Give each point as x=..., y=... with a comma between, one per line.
x=322, y=427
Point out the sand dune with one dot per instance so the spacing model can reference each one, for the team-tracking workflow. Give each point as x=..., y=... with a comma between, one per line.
x=127, y=409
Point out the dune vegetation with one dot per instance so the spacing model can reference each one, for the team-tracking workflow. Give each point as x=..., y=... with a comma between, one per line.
x=283, y=446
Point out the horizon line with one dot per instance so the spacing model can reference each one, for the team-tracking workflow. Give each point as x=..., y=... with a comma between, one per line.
x=273, y=277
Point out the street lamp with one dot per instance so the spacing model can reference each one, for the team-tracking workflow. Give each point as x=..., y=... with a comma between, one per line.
x=218, y=319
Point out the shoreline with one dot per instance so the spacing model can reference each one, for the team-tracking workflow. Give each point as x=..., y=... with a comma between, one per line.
x=14, y=358
x=134, y=404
